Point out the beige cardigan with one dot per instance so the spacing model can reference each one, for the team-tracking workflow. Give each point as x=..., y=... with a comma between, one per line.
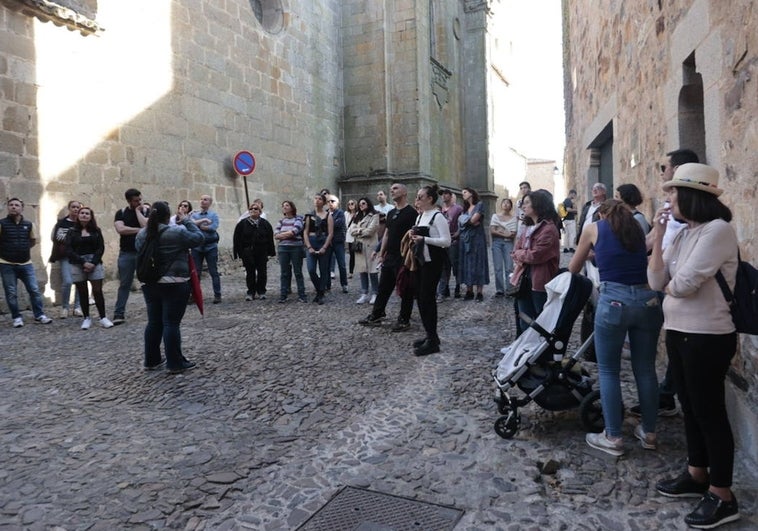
x=694, y=302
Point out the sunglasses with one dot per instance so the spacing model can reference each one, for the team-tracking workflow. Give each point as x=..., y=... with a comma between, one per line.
x=663, y=168
x=332, y=200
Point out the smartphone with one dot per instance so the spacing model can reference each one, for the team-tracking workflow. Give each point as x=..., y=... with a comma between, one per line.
x=666, y=205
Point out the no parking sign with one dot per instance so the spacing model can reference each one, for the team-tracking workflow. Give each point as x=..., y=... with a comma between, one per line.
x=244, y=164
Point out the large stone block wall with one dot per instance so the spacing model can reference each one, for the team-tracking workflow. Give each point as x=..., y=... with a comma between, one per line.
x=168, y=120
x=624, y=65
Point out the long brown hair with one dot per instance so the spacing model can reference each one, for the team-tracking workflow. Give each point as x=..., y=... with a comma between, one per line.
x=623, y=224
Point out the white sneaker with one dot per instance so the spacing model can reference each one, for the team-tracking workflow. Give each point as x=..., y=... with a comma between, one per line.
x=86, y=323
x=63, y=313
x=647, y=440
x=362, y=299
x=601, y=441
x=372, y=300
x=43, y=319
x=78, y=312
x=106, y=323
x=18, y=322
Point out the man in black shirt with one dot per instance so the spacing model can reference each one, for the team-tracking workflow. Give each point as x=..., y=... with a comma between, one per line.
x=128, y=222
x=399, y=221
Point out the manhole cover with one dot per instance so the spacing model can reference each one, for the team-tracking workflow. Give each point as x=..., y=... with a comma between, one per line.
x=353, y=509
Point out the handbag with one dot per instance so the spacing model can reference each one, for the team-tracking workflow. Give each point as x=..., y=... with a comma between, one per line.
x=358, y=246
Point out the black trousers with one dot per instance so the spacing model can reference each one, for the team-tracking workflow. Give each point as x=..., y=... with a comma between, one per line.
x=427, y=279
x=255, y=272
x=699, y=363
x=387, y=278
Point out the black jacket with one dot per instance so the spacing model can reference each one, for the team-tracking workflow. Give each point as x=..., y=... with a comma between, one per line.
x=251, y=237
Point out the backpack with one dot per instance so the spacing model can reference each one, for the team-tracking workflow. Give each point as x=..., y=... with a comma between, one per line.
x=149, y=270
x=562, y=212
x=744, y=302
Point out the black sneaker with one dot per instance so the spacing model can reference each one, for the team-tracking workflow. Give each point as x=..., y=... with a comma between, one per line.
x=419, y=342
x=217, y=299
x=479, y=297
x=185, y=366
x=401, y=326
x=118, y=320
x=682, y=487
x=372, y=320
x=666, y=408
x=712, y=511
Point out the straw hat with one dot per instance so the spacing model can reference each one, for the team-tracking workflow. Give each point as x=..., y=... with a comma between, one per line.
x=697, y=176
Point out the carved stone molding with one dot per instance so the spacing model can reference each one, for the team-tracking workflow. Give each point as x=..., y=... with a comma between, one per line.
x=440, y=75
x=60, y=15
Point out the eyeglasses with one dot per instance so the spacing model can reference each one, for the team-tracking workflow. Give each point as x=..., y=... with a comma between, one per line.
x=332, y=200
x=255, y=208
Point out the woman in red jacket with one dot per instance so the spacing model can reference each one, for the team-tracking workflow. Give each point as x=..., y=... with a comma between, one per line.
x=536, y=255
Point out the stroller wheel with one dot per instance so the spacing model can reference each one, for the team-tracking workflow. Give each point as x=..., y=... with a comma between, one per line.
x=507, y=425
x=591, y=412
x=503, y=403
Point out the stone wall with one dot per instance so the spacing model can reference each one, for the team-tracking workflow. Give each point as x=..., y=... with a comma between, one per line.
x=161, y=101
x=626, y=64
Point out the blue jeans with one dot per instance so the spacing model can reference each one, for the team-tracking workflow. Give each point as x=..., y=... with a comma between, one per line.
x=365, y=278
x=338, y=257
x=635, y=310
x=320, y=279
x=290, y=259
x=166, y=304
x=66, y=282
x=502, y=262
x=450, y=266
x=127, y=264
x=211, y=258
x=530, y=305
x=11, y=274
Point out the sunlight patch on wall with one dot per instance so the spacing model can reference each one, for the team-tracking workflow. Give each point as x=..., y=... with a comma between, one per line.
x=89, y=86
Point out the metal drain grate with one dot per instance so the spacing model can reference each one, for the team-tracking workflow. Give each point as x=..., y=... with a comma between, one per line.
x=354, y=509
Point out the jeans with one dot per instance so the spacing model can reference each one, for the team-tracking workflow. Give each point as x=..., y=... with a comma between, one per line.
x=338, y=255
x=699, y=363
x=450, y=266
x=66, y=282
x=502, y=262
x=166, y=304
x=11, y=274
x=374, y=278
x=127, y=264
x=211, y=258
x=635, y=310
x=320, y=280
x=290, y=259
x=530, y=305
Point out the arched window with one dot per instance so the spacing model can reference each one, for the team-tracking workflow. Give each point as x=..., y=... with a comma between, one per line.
x=269, y=14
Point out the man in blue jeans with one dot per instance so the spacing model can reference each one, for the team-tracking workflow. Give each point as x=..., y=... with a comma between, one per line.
x=128, y=222
x=17, y=237
x=207, y=221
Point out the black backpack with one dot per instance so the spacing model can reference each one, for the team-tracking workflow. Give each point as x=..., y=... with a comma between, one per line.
x=149, y=270
x=744, y=302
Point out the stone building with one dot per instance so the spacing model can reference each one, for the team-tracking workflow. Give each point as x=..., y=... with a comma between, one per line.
x=643, y=78
x=100, y=96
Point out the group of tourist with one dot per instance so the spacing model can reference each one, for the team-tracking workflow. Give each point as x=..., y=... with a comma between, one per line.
x=416, y=249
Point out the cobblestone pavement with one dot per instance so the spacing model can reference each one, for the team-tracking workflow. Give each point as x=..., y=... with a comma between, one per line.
x=289, y=403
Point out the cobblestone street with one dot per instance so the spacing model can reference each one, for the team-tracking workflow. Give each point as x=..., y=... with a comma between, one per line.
x=289, y=403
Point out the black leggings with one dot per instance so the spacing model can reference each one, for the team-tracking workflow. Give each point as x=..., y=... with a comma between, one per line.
x=699, y=363
x=427, y=278
x=97, y=294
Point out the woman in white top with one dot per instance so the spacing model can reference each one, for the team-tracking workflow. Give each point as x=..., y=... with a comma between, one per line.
x=350, y=212
x=503, y=226
x=433, y=233
x=700, y=336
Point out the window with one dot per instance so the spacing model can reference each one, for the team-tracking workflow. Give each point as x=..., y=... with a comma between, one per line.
x=269, y=14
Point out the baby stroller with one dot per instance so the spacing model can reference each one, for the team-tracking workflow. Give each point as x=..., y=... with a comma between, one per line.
x=535, y=361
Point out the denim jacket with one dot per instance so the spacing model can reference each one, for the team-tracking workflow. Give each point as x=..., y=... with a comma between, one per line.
x=173, y=245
